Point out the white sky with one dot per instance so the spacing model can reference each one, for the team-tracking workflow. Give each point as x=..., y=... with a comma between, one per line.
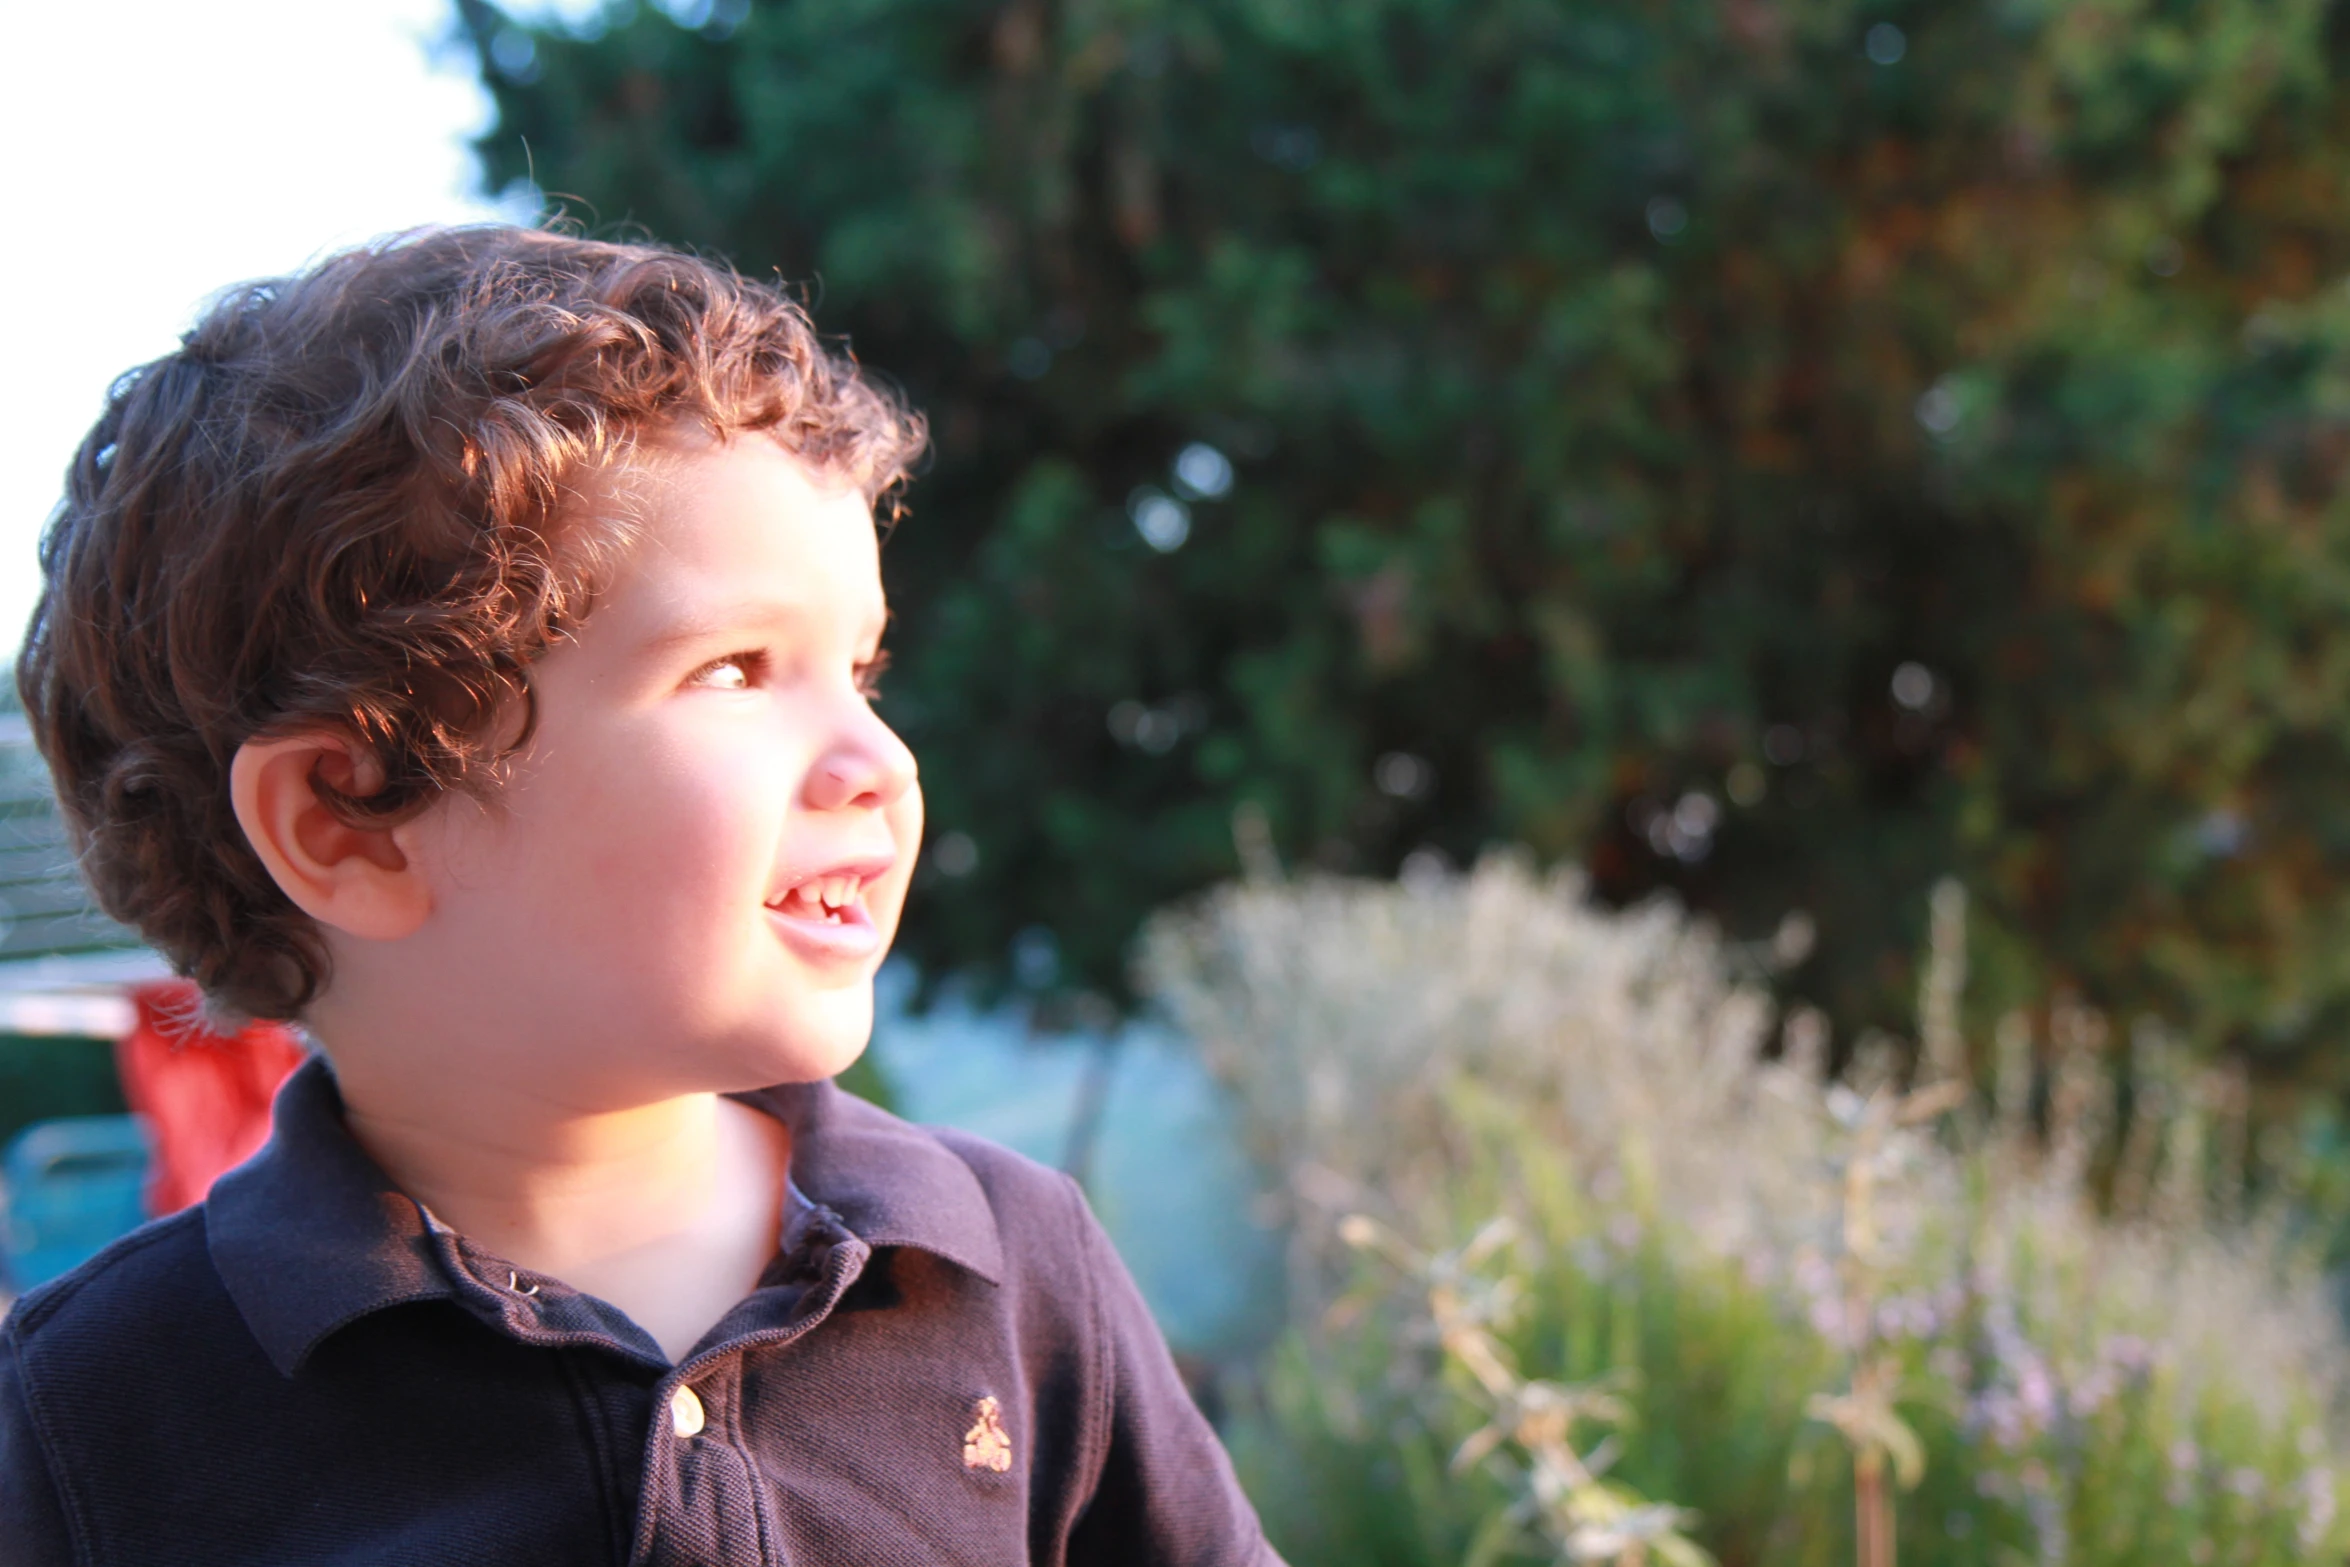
x=167, y=148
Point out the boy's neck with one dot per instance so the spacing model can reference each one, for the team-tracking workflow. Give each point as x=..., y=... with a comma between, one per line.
x=669, y=1210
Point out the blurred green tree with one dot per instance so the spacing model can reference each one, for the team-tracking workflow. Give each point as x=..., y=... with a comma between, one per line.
x=1777, y=450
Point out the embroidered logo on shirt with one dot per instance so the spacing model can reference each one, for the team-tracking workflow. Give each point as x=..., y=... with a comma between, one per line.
x=986, y=1445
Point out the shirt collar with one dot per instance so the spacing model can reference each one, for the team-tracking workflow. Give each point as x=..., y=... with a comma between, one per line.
x=310, y=1235
x=892, y=1184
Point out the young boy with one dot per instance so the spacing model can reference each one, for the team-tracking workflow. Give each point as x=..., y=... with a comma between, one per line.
x=467, y=648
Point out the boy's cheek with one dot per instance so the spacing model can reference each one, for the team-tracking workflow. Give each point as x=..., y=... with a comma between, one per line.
x=904, y=816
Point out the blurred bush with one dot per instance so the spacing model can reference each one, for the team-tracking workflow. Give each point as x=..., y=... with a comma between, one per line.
x=1808, y=1310
x=43, y=1077
x=1779, y=450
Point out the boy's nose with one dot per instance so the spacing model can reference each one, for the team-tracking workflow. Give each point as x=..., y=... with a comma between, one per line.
x=868, y=767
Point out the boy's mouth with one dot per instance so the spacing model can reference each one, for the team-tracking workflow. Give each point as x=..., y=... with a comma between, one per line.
x=823, y=913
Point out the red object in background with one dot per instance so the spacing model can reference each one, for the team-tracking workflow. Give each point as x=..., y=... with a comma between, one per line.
x=205, y=1095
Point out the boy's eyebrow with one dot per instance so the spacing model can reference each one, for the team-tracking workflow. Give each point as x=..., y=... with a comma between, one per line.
x=733, y=620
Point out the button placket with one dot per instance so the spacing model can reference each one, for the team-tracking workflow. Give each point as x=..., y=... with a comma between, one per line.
x=693, y=1490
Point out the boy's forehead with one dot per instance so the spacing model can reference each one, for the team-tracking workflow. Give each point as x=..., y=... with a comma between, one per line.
x=741, y=529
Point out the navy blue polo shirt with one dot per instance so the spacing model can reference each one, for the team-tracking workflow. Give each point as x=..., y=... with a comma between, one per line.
x=946, y=1363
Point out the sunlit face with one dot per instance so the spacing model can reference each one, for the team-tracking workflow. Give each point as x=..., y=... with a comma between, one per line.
x=701, y=856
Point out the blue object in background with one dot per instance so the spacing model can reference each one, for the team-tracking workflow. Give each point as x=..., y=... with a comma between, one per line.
x=67, y=1188
x=1162, y=1166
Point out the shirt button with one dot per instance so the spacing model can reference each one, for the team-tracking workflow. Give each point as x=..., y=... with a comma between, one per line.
x=685, y=1412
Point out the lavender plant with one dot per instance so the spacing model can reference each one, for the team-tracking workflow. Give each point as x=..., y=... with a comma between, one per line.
x=2025, y=1324
x=1563, y=1503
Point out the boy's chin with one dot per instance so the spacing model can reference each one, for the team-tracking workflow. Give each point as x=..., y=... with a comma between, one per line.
x=814, y=1065
x=823, y=1043
x=801, y=1061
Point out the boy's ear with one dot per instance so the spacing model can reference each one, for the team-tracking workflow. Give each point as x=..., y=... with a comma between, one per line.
x=358, y=880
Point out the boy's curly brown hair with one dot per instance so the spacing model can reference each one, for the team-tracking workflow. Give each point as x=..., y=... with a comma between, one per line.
x=341, y=505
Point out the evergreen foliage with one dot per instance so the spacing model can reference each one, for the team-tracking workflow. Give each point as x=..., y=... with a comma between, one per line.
x=1784, y=451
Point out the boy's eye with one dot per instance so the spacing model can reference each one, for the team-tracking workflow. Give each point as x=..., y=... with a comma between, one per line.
x=869, y=674
x=731, y=673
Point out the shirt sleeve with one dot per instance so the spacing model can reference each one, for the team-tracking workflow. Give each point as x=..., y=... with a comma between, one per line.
x=32, y=1523
x=1166, y=1496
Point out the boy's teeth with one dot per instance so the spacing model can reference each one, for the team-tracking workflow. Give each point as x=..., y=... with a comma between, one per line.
x=824, y=895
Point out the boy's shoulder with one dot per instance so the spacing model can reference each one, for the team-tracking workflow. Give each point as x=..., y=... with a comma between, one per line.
x=149, y=1286
x=146, y=1318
